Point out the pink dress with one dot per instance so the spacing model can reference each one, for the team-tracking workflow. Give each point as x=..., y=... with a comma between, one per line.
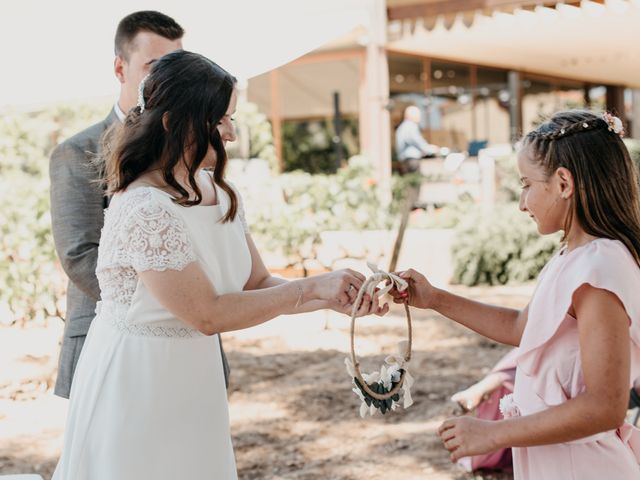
x=549, y=366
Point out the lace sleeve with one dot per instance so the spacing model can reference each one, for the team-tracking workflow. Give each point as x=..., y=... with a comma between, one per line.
x=154, y=238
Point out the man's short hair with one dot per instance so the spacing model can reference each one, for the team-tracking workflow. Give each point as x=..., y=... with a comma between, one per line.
x=144, y=21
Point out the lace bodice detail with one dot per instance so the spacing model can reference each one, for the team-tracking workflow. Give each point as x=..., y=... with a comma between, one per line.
x=141, y=232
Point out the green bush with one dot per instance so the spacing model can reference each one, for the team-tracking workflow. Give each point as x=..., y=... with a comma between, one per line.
x=634, y=150
x=350, y=199
x=499, y=248
x=308, y=145
x=32, y=283
x=256, y=126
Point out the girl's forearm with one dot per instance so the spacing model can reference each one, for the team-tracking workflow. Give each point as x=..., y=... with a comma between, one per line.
x=497, y=323
x=577, y=418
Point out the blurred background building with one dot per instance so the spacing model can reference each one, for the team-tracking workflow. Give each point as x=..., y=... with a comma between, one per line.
x=481, y=71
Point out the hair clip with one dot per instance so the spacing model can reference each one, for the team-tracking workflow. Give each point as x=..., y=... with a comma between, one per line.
x=141, y=94
x=614, y=124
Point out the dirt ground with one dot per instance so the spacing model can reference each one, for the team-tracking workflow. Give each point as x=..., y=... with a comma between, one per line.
x=293, y=415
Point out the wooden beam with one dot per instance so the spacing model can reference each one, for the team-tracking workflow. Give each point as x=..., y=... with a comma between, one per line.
x=430, y=8
x=330, y=56
x=526, y=73
x=443, y=7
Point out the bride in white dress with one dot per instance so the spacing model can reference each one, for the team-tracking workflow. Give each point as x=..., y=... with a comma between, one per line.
x=176, y=267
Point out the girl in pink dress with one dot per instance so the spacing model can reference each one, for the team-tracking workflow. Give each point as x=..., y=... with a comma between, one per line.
x=579, y=337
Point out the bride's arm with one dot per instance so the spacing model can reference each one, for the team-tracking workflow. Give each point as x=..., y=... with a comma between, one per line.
x=261, y=278
x=189, y=295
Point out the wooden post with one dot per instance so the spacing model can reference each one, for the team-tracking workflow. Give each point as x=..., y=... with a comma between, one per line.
x=378, y=147
x=635, y=122
x=587, y=95
x=426, y=85
x=410, y=201
x=363, y=104
x=515, y=106
x=615, y=100
x=473, y=74
x=276, y=118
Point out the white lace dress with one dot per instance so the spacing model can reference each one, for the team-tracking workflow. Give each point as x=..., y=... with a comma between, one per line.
x=148, y=399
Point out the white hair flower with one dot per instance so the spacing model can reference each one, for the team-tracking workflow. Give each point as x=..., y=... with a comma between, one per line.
x=141, y=94
x=615, y=124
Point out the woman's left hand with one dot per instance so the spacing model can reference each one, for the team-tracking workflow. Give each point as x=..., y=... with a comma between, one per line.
x=367, y=307
x=466, y=436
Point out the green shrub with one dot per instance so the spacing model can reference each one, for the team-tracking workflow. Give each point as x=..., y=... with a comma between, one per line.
x=499, y=248
x=32, y=283
x=634, y=150
x=308, y=145
x=250, y=121
x=350, y=199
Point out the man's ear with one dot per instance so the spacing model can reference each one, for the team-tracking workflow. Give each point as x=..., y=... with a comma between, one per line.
x=565, y=182
x=118, y=68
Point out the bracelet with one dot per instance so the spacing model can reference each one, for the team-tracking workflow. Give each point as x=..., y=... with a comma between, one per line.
x=300, y=294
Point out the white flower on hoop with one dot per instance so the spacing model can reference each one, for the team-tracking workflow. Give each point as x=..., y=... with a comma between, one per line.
x=388, y=374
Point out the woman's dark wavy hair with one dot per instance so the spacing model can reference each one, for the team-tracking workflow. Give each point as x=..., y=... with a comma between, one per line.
x=193, y=94
x=606, y=202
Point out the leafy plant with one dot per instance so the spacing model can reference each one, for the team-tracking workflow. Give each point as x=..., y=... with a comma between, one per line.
x=308, y=145
x=32, y=283
x=255, y=125
x=499, y=248
x=309, y=205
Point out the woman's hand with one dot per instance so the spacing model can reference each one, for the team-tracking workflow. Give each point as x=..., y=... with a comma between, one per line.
x=340, y=287
x=368, y=306
x=466, y=436
x=419, y=294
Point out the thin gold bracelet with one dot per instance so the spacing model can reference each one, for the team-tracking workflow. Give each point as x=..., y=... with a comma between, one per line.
x=300, y=294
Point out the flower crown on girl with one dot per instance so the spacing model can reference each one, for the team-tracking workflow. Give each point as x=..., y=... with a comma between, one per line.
x=614, y=124
x=611, y=122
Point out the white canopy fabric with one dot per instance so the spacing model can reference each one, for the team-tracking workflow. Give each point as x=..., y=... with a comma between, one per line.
x=63, y=50
x=594, y=42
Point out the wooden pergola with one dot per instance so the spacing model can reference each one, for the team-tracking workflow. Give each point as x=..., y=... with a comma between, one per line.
x=591, y=42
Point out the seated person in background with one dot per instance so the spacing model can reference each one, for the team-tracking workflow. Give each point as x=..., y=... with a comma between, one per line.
x=410, y=144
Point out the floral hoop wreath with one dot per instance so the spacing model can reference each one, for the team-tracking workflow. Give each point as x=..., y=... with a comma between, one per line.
x=382, y=390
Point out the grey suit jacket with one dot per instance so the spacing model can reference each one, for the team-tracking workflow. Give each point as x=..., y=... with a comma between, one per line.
x=77, y=206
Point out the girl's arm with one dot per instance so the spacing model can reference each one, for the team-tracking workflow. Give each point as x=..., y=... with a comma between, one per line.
x=603, y=327
x=504, y=325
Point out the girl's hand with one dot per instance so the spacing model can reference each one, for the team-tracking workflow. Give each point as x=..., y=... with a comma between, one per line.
x=420, y=292
x=466, y=436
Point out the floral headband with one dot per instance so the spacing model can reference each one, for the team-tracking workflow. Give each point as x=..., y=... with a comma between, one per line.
x=614, y=124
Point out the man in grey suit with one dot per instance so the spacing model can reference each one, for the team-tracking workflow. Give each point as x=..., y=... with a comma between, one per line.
x=77, y=199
